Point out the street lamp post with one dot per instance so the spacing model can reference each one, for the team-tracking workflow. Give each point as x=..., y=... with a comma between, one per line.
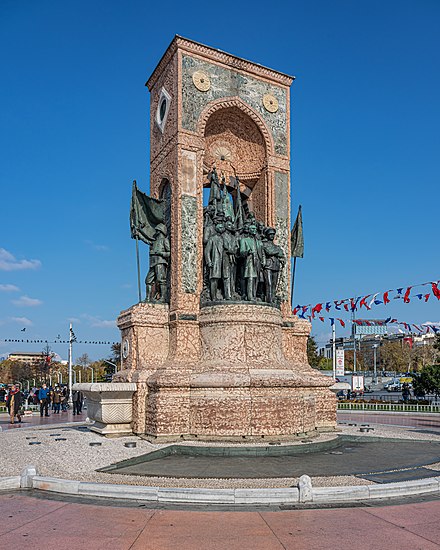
x=375, y=346
x=334, y=350
x=70, y=365
x=91, y=368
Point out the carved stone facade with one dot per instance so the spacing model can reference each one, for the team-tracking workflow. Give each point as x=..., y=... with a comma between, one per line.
x=228, y=370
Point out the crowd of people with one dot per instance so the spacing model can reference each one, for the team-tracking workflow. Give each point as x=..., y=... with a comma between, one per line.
x=54, y=398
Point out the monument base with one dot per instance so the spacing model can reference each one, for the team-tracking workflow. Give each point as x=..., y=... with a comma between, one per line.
x=250, y=380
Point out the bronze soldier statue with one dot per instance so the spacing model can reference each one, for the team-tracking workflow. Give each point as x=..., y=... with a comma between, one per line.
x=214, y=252
x=159, y=260
x=208, y=222
x=275, y=261
x=229, y=259
x=248, y=251
x=259, y=261
x=215, y=194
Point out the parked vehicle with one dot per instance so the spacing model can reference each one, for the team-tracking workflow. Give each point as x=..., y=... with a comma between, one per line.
x=393, y=386
x=356, y=382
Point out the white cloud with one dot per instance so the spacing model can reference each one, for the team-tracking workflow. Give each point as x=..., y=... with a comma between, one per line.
x=25, y=301
x=9, y=288
x=435, y=323
x=99, y=323
x=100, y=247
x=74, y=320
x=22, y=321
x=8, y=262
x=104, y=323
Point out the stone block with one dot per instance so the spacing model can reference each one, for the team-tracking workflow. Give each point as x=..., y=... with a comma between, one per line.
x=8, y=483
x=108, y=490
x=340, y=494
x=211, y=496
x=404, y=488
x=267, y=496
x=55, y=485
x=27, y=476
x=305, y=489
x=110, y=406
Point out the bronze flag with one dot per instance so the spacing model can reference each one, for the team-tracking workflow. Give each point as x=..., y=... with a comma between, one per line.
x=145, y=214
x=297, y=237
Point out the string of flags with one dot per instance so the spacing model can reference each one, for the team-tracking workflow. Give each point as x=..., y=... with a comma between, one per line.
x=422, y=329
x=368, y=301
x=23, y=341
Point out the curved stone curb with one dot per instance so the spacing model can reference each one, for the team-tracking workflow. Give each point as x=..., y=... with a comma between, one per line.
x=169, y=495
x=8, y=483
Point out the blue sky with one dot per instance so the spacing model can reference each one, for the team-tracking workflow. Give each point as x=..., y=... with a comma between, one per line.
x=74, y=134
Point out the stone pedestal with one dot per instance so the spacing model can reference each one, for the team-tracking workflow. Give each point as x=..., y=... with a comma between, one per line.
x=110, y=406
x=247, y=378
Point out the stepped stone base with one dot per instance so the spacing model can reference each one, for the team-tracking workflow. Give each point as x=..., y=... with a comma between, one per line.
x=248, y=377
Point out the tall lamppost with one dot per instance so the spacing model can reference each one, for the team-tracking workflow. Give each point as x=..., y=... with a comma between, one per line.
x=112, y=364
x=91, y=368
x=375, y=346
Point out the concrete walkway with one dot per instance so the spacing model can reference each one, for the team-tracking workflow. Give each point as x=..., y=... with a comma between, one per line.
x=26, y=521
x=37, y=420
x=420, y=422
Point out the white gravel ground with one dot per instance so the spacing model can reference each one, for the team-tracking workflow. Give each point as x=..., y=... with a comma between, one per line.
x=76, y=459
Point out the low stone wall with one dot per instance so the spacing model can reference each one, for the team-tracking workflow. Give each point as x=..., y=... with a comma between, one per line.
x=304, y=493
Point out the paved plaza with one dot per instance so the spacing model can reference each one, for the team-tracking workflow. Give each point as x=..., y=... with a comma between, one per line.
x=82, y=522
x=36, y=420
x=23, y=518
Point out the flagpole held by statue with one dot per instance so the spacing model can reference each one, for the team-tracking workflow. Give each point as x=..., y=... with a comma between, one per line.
x=296, y=245
x=147, y=223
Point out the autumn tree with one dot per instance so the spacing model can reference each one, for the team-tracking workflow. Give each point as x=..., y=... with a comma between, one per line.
x=428, y=379
x=312, y=352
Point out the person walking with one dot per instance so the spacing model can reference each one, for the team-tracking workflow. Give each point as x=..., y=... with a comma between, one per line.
x=14, y=402
x=57, y=397
x=65, y=398
x=77, y=399
x=43, y=398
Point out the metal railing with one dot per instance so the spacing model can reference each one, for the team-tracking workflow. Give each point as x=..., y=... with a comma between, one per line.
x=4, y=409
x=389, y=407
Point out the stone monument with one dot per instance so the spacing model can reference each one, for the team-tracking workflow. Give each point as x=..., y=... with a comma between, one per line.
x=215, y=351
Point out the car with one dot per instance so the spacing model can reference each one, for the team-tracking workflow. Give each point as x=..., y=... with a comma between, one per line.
x=395, y=386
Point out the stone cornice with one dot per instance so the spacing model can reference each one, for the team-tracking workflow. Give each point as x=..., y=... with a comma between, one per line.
x=219, y=56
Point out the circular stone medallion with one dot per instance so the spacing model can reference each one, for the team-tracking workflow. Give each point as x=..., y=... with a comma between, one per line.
x=125, y=348
x=270, y=103
x=201, y=81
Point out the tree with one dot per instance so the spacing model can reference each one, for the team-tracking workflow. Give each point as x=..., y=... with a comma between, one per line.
x=428, y=379
x=115, y=357
x=83, y=361
x=396, y=356
x=312, y=352
x=325, y=363
x=437, y=346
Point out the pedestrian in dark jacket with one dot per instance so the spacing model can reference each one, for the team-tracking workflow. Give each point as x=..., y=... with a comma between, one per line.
x=13, y=402
x=77, y=399
x=57, y=397
x=43, y=398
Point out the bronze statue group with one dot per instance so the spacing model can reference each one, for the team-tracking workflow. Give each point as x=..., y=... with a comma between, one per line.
x=241, y=259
